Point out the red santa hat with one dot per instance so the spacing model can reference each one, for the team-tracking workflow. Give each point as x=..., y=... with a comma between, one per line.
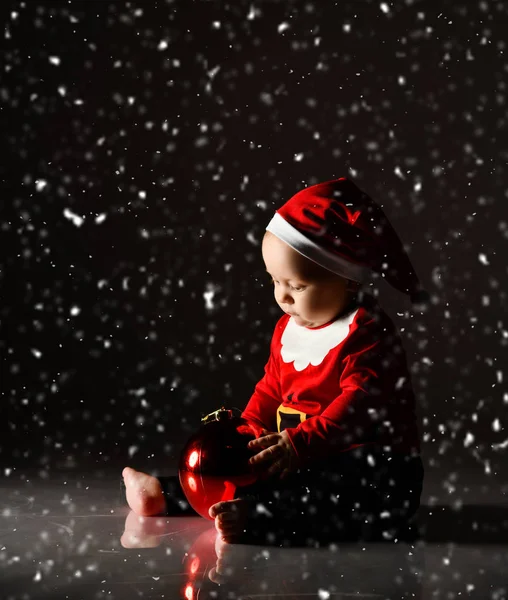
x=338, y=226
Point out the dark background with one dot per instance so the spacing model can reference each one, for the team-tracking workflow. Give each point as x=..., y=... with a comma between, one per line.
x=146, y=147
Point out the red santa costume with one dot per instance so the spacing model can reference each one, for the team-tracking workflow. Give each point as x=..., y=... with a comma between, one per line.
x=345, y=384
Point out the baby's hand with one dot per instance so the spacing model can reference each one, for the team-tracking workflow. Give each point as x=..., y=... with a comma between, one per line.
x=230, y=517
x=276, y=453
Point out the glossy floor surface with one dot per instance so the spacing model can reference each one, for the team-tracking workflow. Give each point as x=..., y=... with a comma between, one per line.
x=73, y=537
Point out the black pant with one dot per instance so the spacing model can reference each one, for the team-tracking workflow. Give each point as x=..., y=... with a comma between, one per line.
x=361, y=495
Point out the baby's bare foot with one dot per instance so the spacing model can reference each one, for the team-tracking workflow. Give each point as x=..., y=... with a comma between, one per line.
x=230, y=517
x=144, y=493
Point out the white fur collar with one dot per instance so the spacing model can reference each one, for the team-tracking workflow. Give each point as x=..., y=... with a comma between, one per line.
x=307, y=346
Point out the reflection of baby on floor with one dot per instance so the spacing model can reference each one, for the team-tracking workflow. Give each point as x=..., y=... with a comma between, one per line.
x=208, y=547
x=201, y=556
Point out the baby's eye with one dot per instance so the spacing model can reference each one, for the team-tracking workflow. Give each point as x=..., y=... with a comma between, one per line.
x=298, y=289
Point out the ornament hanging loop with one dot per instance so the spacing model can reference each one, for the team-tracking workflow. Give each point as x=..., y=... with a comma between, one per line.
x=218, y=415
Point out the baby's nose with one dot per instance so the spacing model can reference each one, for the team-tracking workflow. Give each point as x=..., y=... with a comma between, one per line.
x=285, y=298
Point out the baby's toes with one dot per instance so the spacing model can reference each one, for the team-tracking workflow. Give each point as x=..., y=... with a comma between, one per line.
x=228, y=525
x=224, y=521
x=217, y=509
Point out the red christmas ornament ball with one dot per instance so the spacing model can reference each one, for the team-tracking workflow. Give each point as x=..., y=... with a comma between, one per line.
x=215, y=461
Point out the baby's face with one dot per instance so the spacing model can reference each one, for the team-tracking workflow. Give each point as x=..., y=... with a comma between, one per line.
x=312, y=295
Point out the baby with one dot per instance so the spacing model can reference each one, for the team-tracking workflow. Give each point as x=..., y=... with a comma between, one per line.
x=334, y=411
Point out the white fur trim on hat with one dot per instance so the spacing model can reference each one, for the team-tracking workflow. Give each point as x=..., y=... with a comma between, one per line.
x=306, y=247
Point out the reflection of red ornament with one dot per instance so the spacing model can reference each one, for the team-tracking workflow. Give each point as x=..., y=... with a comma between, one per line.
x=197, y=562
x=214, y=462
x=201, y=555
